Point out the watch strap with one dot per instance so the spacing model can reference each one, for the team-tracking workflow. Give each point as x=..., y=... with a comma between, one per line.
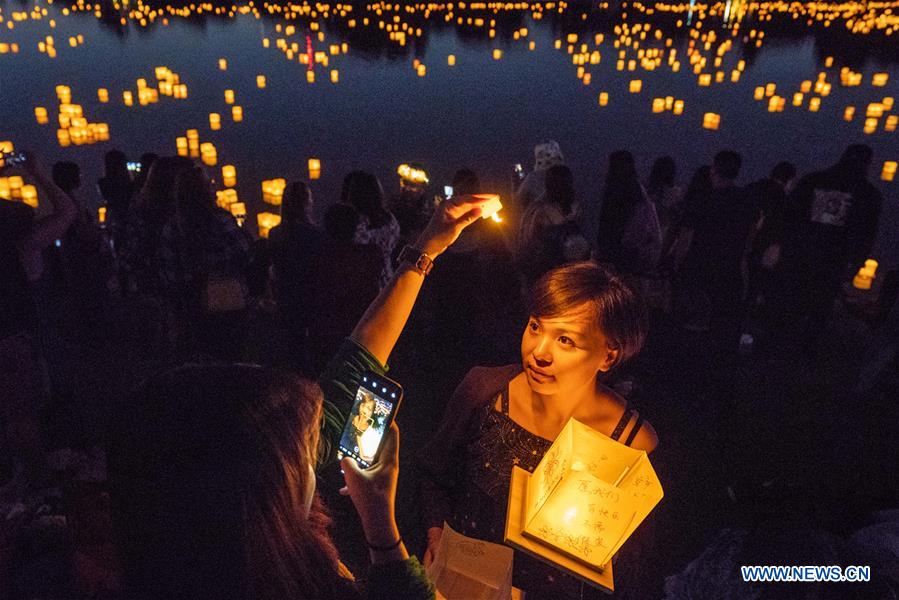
x=418, y=259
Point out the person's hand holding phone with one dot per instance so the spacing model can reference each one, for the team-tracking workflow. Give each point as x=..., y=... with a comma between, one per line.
x=373, y=492
x=449, y=219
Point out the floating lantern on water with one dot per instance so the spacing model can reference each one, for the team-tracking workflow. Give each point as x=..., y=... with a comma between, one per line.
x=531, y=45
x=635, y=86
x=15, y=186
x=678, y=107
x=870, y=125
x=603, y=98
x=497, y=54
x=887, y=103
x=229, y=96
x=273, y=191
x=315, y=168
x=797, y=99
x=4, y=187
x=63, y=137
x=225, y=198
x=29, y=195
x=237, y=113
x=705, y=80
x=889, y=170
x=848, y=113
x=335, y=76
x=101, y=215
x=128, y=98
x=260, y=81
x=64, y=93
x=770, y=89
x=266, y=222
x=875, y=110
x=40, y=113
x=880, y=79
x=759, y=93
x=711, y=121
x=451, y=60
x=658, y=105
x=229, y=175
x=181, y=145
x=814, y=104
x=864, y=278
x=422, y=70
x=310, y=76
x=215, y=121
x=238, y=210
x=891, y=122
x=223, y=64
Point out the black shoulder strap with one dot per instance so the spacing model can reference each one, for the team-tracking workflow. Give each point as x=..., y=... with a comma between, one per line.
x=637, y=425
x=625, y=419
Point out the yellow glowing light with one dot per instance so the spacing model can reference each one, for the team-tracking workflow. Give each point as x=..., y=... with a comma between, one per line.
x=237, y=113
x=260, y=81
x=229, y=175
x=888, y=172
x=229, y=96
x=315, y=168
x=451, y=60
x=412, y=174
x=266, y=222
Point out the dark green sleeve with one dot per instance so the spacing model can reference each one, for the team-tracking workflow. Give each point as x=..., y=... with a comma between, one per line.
x=404, y=579
x=339, y=382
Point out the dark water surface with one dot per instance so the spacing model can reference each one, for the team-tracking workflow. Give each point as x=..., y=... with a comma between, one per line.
x=483, y=113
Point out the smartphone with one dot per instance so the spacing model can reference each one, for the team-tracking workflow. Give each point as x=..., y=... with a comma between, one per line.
x=134, y=167
x=377, y=400
x=447, y=191
x=13, y=158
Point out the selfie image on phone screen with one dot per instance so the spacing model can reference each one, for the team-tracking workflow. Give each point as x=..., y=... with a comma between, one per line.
x=373, y=410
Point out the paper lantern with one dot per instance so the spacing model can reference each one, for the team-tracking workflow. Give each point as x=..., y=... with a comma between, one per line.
x=266, y=221
x=658, y=105
x=889, y=170
x=63, y=137
x=705, y=80
x=223, y=64
x=215, y=121
x=586, y=497
x=870, y=125
x=814, y=104
x=238, y=210
x=863, y=279
x=711, y=121
x=872, y=264
x=225, y=198
x=229, y=175
x=848, y=113
x=797, y=99
x=229, y=96
x=237, y=113
x=273, y=191
x=635, y=86
x=678, y=107
x=603, y=98
x=880, y=79
x=260, y=81
x=15, y=186
x=101, y=215
x=310, y=76
x=64, y=93
x=4, y=186
x=887, y=103
x=497, y=54
x=29, y=195
x=335, y=76
x=40, y=113
x=411, y=174
x=422, y=70
x=891, y=123
x=451, y=60
x=315, y=168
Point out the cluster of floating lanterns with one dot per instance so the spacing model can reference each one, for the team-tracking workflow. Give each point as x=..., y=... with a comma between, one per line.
x=14, y=187
x=74, y=128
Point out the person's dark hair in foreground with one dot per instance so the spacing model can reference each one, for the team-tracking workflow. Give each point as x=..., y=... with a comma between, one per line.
x=297, y=204
x=662, y=175
x=783, y=172
x=466, y=181
x=726, y=165
x=341, y=221
x=208, y=469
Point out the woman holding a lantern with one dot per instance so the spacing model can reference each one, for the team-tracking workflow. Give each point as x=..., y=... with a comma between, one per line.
x=584, y=321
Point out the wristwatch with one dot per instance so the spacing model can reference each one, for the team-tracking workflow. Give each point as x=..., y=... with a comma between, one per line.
x=421, y=261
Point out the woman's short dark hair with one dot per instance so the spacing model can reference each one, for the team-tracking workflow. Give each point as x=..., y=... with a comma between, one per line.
x=341, y=221
x=614, y=306
x=207, y=467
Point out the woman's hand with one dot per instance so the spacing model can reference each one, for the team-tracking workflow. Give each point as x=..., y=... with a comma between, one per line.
x=447, y=222
x=373, y=491
x=434, y=535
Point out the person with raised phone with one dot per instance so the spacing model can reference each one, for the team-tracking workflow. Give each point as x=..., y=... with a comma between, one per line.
x=212, y=467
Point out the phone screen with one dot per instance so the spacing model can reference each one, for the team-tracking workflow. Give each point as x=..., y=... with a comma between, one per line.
x=134, y=167
x=448, y=191
x=374, y=409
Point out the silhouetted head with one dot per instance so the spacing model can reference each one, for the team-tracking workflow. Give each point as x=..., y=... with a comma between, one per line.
x=783, y=172
x=560, y=188
x=856, y=160
x=67, y=176
x=726, y=168
x=466, y=181
x=365, y=194
x=159, y=188
x=116, y=165
x=296, y=205
x=662, y=175
x=341, y=221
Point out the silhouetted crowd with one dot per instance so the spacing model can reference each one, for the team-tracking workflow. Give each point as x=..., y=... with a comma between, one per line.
x=93, y=474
